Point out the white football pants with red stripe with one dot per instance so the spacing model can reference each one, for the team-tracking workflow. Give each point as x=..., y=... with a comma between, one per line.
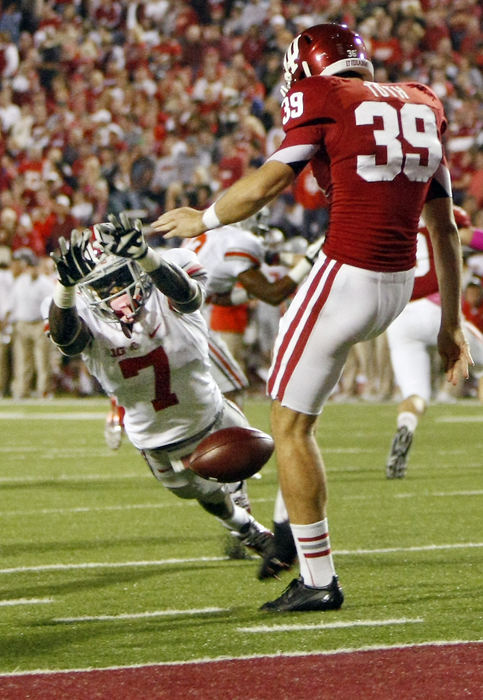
x=337, y=306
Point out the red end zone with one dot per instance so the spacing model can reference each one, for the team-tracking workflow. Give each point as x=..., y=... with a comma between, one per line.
x=452, y=671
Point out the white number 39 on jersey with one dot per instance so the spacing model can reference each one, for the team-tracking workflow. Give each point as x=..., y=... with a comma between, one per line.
x=410, y=116
x=292, y=106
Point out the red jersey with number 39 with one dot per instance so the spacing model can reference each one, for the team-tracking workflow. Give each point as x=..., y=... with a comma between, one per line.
x=376, y=152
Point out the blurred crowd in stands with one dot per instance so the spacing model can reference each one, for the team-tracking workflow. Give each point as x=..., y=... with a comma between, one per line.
x=110, y=105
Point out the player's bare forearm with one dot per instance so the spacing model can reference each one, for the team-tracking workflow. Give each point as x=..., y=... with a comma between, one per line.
x=244, y=198
x=252, y=192
x=452, y=344
x=258, y=286
x=438, y=216
x=67, y=330
x=447, y=256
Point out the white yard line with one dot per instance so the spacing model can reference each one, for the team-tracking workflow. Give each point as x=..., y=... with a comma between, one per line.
x=78, y=415
x=110, y=565
x=45, y=451
x=69, y=511
x=349, y=450
x=175, y=504
x=420, y=548
x=100, y=509
x=263, y=629
x=25, y=601
x=63, y=478
x=193, y=560
x=445, y=494
x=139, y=616
x=253, y=629
x=477, y=418
x=56, y=402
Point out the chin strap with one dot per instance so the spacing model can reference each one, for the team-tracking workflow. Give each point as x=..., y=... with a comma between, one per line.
x=126, y=329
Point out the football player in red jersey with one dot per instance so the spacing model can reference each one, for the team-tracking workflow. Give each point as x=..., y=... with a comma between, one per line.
x=412, y=336
x=376, y=151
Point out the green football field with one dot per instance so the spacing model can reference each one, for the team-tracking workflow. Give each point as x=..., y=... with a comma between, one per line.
x=102, y=567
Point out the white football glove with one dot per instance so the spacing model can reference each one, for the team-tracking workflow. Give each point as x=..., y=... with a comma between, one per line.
x=314, y=249
x=75, y=260
x=121, y=237
x=303, y=267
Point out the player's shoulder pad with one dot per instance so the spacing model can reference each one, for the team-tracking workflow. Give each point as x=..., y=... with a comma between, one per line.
x=307, y=101
x=425, y=91
x=178, y=256
x=315, y=84
x=184, y=258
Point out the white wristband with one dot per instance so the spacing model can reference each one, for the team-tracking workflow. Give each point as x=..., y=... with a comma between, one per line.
x=64, y=297
x=209, y=218
x=151, y=261
x=301, y=270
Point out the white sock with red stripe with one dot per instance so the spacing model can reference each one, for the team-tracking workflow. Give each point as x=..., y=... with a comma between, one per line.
x=313, y=549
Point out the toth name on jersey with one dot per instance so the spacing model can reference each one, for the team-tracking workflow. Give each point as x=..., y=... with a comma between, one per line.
x=382, y=90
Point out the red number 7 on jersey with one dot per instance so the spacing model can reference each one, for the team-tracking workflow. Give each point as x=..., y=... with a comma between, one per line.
x=158, y=360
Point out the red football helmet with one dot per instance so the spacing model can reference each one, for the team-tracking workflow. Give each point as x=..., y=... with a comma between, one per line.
x=325, y=49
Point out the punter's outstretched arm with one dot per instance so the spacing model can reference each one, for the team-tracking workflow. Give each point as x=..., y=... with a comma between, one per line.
x=243, y=199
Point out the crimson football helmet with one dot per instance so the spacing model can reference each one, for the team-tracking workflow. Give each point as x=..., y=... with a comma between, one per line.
x=325, y=49
x=116, y=289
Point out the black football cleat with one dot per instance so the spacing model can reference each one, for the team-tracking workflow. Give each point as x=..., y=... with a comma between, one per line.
x=281, y=555
x=298, y=597
x=256, y=537
x=397, y=462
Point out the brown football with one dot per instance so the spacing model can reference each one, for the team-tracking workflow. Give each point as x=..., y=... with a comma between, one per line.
x=232, y=454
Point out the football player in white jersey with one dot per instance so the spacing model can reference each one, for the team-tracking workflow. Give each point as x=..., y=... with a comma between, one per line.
x=414, y=334
x=234, y=263
x=134, y=317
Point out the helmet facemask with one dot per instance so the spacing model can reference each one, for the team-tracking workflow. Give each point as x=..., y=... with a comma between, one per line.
x=116, y=290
